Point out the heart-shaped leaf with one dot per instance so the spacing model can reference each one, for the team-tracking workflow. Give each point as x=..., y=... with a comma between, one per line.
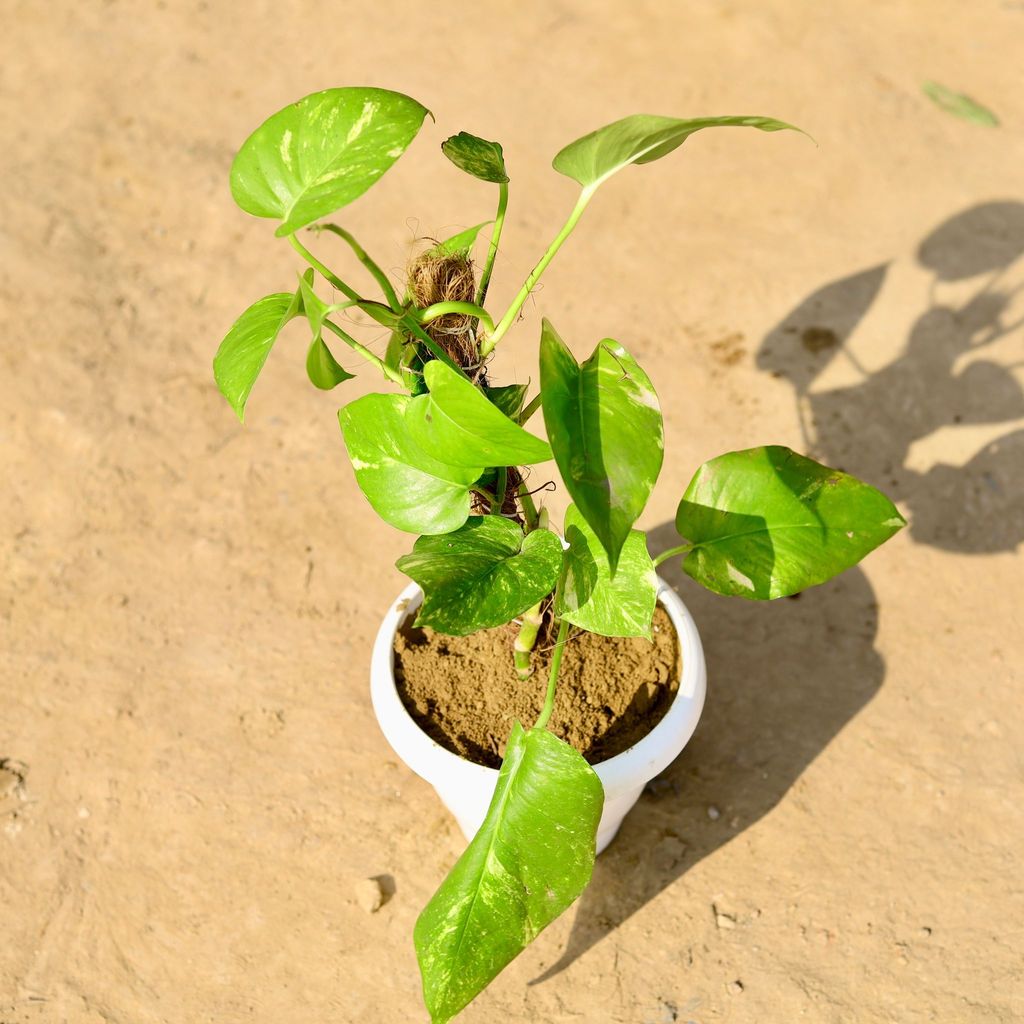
x=482, y=575
x=245, y=347
x=456, y=423
x=533, y=856
x=482, y=159
x=589, y=596
x=639, y=139
x=766, y=522
x=405, y=486
x=605, y=427
x=317, y=155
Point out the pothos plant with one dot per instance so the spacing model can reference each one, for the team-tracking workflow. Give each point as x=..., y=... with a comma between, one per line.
x=445, y=454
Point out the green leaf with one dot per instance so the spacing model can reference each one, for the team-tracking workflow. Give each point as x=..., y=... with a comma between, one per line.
x=456, y=423
x=482, y=159
x=321, y=367
x=245, y=348
x=508, y=398
x=959, y=105
x=589, y=596
x=533, y=856
x=766, y=522
x=399, y=355
x=605, y=427
x=406, y=487
x=317, y=155
x=639, y=139
x=460, y=244
x=482, y=575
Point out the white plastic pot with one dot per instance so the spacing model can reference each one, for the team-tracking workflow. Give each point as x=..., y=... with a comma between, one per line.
x=466, y=788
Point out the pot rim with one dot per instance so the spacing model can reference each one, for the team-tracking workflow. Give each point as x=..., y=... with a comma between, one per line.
x=630, y=769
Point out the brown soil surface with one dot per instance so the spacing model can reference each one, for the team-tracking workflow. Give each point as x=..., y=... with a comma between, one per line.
x=196, y=791
x=465, y=694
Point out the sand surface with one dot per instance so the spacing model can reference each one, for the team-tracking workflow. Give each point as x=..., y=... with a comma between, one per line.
x=194, y=786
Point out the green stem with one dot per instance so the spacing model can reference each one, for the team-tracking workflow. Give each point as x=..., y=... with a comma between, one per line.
x=483, y=492
x=367, y=261
x=556, y=663
x=529, y=509
x=326, y=274
x=393, y=375
x=683, y=549
x=409, y=324
x=526, y=640
x=424, y=316
x=502, y=488
x=492, y=250
x=524, y=293
x=530, y=409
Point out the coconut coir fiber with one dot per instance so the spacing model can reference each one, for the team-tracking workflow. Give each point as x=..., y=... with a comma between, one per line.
x=465, y=694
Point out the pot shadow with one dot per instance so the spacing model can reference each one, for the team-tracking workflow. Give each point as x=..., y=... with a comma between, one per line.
x=784, y=677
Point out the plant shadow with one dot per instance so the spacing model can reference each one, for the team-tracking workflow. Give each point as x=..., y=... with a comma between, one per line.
x=942, y=378
x=786, y=676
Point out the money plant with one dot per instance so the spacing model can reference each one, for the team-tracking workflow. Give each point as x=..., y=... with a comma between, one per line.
x=445, y=453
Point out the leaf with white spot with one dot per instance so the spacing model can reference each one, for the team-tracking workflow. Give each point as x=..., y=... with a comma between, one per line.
x=476, y=156
x=604, y=423
x=640, y=139
x=482, y=575
x=405, y=486
x=531, y=859
x=245, y=348
x=766, y=522
x=317, y=155
x=590, y=597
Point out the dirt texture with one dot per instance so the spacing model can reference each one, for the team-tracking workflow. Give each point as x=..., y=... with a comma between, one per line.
x=465, y=694
x=194, y=790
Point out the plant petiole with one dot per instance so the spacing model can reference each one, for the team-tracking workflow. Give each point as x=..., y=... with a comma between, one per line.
x=556, y=663
x=529, y=410
x=682, y=549
x=424, y=316
x=323, y=271
x=499, y=497
x=492, y=249
x=524, y=293
x=393, y=375
x=409, y=324
x=484, y=493
x=371, y=265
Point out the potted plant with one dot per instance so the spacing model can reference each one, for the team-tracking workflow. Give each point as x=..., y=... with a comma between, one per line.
x=444, y=454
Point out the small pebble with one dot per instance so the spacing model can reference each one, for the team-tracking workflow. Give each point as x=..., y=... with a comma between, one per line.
x=369, y=895
x=714, y=813
x=735, y=987
x=724, y=920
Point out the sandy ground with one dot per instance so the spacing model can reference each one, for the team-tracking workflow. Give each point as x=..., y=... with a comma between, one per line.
x=195, y=785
